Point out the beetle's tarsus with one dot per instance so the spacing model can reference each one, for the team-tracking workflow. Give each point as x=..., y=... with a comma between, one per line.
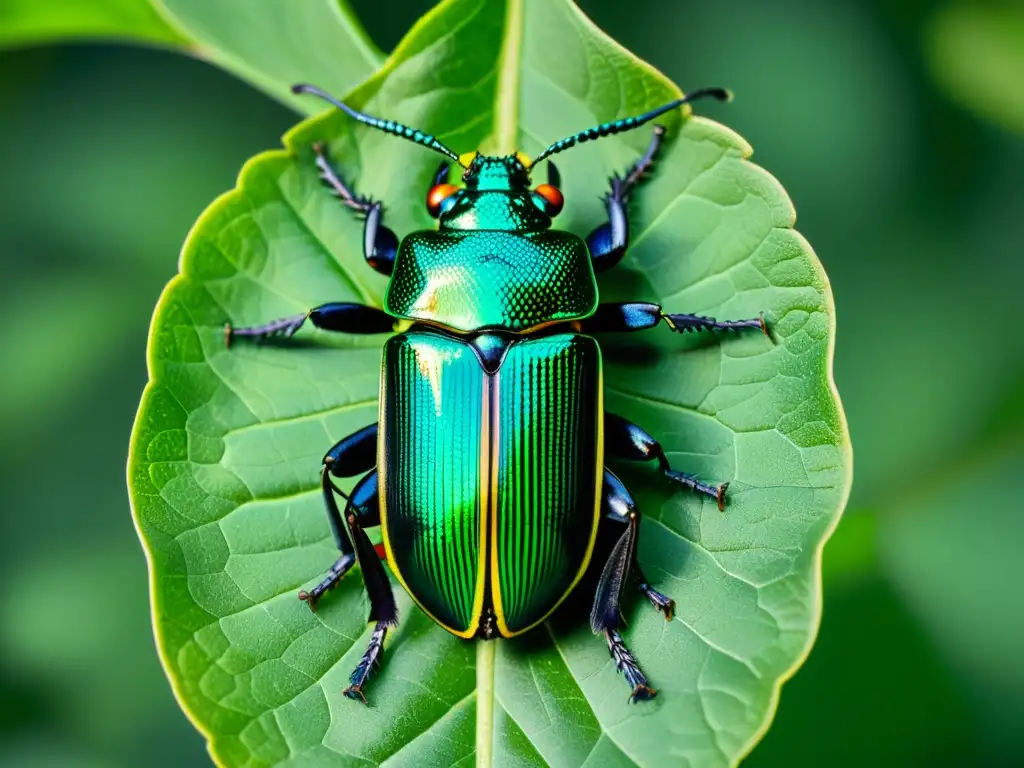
x=379, y=243
x=368, y=664
x=629, y=441
x=228, y=335
x=716, y=492
x=342, y=190
x=662, y=603
x=285, y=327
x=682, y=323
x=627, y=664
x=355, y=692
x=309, y=599
x=642, y=693
x=639, y=170
x=609, y=241
x=312, y=599
x=335, y=573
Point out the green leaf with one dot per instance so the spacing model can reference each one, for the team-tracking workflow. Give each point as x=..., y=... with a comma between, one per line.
x=976, y=52
x=27, y=22
x=227, y=445
x=276, y=43
x=271, y=43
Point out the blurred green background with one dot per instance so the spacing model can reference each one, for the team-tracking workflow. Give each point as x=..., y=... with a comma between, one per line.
x=895, y=126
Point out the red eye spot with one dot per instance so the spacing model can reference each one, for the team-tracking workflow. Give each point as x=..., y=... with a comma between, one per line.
x=437, y=195
x=552, y=197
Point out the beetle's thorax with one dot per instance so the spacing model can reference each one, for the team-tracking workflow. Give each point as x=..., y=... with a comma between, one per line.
x=494, y=211
x=469, y=281
x=494, y=263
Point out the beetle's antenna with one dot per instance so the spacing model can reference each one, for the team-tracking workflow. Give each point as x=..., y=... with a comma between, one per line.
x=388, y=126
x=629, y=123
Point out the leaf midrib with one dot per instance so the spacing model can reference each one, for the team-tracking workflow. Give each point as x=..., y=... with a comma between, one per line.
x=506, y=133
x=506, y=102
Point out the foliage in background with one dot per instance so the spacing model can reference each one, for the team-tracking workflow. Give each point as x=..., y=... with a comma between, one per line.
x=924, y=231
x=976, y=51
x=28, y=22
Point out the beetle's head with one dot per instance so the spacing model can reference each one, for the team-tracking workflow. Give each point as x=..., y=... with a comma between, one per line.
x=511, y=174
x=485, y=173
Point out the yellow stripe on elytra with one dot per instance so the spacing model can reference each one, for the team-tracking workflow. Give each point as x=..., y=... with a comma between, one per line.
x=499, y=613
x=485, y=504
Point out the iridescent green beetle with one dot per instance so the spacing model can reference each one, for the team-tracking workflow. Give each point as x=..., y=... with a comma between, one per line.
x=486, y=469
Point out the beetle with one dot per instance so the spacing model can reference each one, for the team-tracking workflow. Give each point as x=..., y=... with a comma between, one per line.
x=485, y=471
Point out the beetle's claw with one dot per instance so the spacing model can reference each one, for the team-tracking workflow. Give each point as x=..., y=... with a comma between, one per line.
x=667, y=606
x=355, y=692
x=228, y=335
x=720, y=498
x=642, y=692
x=664, y=604
x=764, y=325
x=309, y=599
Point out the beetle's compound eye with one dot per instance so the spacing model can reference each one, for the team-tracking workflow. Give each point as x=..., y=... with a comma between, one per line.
x=549, y=199
x=440, y=198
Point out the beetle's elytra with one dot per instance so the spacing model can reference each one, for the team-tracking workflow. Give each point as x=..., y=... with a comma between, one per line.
x=486, y=468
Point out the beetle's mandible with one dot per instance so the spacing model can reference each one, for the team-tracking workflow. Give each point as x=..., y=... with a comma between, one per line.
x=497, y=379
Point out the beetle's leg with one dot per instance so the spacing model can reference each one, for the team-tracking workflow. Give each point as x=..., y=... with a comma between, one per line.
x=379, y=243
x=354, y=454
x=625, y=440
x=350, y=456
x=690, y=323
x=664, y=604
x=606, y=615
x=640, y=315
x=369, y=664
x=362, y=511
x=367, y=509
x=616, y=503
x=609, y=241
x=339, y=316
